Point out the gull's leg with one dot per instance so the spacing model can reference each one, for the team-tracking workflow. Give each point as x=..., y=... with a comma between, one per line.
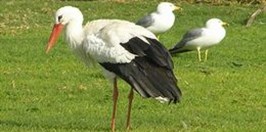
x=206, y=55
x=115, y=97
x=199, y=54
x=130, y=99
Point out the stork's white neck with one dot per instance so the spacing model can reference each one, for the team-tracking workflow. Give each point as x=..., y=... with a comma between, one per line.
x=74, y=34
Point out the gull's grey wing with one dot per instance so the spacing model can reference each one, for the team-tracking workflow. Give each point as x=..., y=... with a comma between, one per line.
x=190, y=35
x=146, y=21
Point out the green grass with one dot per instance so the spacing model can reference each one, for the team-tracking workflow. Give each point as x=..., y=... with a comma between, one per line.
x=56, y=92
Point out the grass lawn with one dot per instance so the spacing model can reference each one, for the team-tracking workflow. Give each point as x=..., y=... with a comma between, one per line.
x=56, y=92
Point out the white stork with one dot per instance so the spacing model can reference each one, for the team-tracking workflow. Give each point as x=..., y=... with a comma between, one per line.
x=124, y=50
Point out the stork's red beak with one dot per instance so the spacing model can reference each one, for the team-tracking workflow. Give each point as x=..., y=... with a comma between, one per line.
x=57, y=29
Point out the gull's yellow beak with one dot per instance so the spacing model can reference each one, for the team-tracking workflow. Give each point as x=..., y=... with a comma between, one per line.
x=178, y=8
x=225, y=24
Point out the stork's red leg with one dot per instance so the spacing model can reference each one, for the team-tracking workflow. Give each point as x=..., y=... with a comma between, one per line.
x=130, y=99
x=115, y=97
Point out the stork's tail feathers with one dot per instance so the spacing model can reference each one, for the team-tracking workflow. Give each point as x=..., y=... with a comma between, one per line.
x=148, y=80
x=156, y=82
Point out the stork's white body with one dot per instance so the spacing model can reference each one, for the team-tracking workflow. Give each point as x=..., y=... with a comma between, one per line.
x=100, y=41
x=104, y=45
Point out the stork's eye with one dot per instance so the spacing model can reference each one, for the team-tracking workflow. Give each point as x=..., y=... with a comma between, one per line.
x=60, y=17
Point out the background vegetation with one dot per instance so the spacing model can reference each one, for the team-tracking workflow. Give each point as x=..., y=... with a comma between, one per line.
x=56, y=92
x=227, y=1
x=214, y=2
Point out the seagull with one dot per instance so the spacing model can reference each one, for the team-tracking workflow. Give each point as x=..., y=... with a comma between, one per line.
x=123, y=50
x=201, y=38
x=161, y=20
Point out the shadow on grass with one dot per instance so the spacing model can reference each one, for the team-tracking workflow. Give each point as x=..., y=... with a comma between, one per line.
x=42, y=126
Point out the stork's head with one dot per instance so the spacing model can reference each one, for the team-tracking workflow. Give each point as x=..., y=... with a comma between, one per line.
x=167, y=7
x=215, y=22
x=63, y=17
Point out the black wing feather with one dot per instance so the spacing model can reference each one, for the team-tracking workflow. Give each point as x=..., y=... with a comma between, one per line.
x=151, y=73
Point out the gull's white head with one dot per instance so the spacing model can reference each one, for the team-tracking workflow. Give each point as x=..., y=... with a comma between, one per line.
x=215, y=23
x=167, y=7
